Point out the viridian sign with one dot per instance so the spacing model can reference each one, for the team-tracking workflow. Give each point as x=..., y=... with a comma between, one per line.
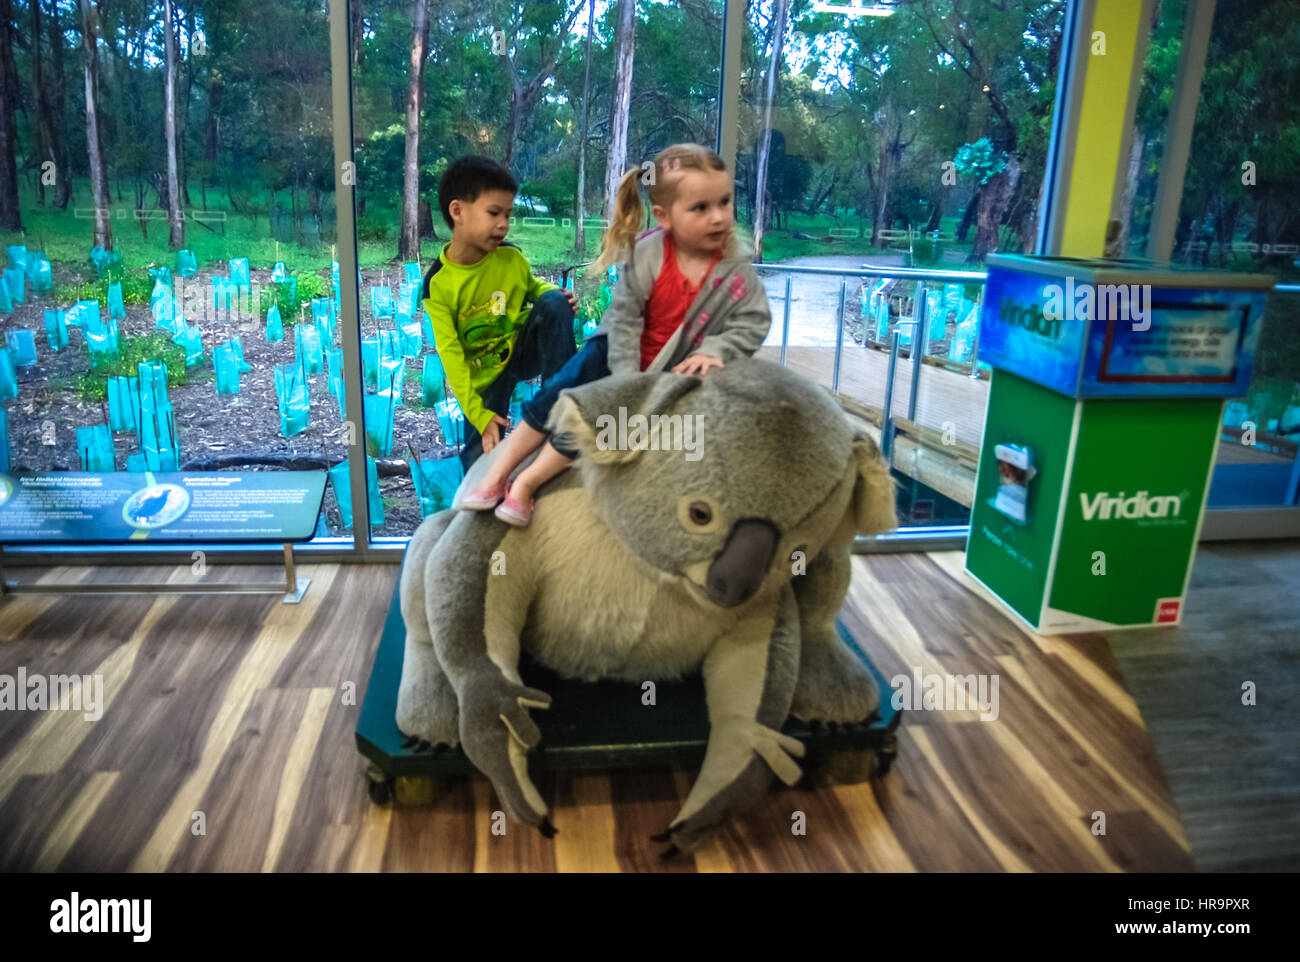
x=1100, y=434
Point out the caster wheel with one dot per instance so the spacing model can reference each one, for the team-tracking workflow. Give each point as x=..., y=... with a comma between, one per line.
x=886, y=754
x=852, y=767
x=414, y=790
x=380, y=785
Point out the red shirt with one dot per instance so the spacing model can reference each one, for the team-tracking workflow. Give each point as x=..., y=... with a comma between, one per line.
x=670, y=298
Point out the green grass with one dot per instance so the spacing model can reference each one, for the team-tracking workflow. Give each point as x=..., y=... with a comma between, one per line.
x=92, y=385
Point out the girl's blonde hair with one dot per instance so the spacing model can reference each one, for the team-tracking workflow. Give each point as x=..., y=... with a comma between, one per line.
x=629, y=212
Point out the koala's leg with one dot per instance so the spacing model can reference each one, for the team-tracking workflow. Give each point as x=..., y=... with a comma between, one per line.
x=478, y=586
x=749, y=679
x=834, y=686
x=426, y=702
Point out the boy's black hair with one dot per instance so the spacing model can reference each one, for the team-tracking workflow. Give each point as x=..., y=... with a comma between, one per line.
x=467, y=177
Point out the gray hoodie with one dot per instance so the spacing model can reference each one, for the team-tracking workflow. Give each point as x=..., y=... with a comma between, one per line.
x=729, y=318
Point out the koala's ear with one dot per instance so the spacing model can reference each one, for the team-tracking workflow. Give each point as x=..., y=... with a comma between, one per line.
x=874, y=508
x=586, y=418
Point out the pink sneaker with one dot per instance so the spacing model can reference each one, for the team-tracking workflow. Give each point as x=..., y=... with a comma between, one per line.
x=513, y=512
x=483, y=498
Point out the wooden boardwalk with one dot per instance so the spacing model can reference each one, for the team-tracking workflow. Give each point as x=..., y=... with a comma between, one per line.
x=244, y=710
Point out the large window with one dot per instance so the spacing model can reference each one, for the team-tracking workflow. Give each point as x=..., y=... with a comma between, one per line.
x=170, y=301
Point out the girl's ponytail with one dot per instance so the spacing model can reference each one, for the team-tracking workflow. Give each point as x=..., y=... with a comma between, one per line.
x=629, y=215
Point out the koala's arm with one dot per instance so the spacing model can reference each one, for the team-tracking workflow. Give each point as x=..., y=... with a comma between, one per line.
x=479, y=583
x=749, y=680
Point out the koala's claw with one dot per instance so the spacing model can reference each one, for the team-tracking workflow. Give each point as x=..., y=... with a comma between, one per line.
x=546, y=828
x=670, y=852
x=423, y=746
x=663, y=836
x=410, y=741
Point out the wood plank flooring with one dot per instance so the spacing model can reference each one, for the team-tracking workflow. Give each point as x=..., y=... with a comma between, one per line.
x=226, y=744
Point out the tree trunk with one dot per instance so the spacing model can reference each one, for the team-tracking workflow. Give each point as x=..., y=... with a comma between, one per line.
x=358, y=17
x=10, y=211
x=1130, y=191
x=994, y=199
x=98, y=181
x=579, y=199
x=620, y=104
x=780, y=15
x=408, y=245
x=185, y=109
x=57, y=91
x=176, y=222
x=43, y=130
x=968, y=215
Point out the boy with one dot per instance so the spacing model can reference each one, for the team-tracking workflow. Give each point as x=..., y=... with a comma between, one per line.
x=494, y=322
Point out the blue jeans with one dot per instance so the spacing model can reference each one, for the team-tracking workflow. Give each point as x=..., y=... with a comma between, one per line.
x=589, y=364
x=544, y=345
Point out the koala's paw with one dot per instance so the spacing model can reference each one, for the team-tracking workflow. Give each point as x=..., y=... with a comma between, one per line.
x=497, y=732
x=834, y=686
x=715, y=798
x=429, y=716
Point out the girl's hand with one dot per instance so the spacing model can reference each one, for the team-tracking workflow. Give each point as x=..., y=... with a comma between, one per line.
x=572, y=299
x=699, y=364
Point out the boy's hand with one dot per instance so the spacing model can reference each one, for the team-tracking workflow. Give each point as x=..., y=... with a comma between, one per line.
x=572, y=299
x=699, y=364
x=492, y=433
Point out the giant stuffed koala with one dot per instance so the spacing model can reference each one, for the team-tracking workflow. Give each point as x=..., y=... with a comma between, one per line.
x=717, y=542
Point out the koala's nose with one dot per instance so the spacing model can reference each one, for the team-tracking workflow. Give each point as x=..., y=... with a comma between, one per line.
x=739, y=569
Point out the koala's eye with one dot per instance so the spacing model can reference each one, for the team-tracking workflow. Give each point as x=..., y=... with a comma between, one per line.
x=698, y=513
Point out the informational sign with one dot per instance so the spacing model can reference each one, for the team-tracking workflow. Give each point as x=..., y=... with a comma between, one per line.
x=166, y=507
x=1090, y=328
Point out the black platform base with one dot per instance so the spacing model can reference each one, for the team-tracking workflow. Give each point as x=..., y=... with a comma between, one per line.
x=601, y=725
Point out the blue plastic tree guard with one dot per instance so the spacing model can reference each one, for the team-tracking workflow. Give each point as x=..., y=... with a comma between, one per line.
x=340, y=477
x=436, y=483
x=40, y=274
x=6, y=302
x=370, y=362
x=103, y=259
x=238, y=345
x=191, y=339
x=101, y=339
x=56, y=328
x=379, y=424
x=225, y=295
x=381, y=302
x=116, y=309
x=334, y=369
x=4, y=440
x=187, y=265
x=306, y=345
x=278, y=273
x=15, y=279
x=123, y=403
x=159, y=444
x=433, y=380
x=22, y=345
x=412, y=342
x=95, y=446
x=226, y=365
x=16, y=256
x=239, y=272
x=291, y=392
x=8, y=377
x=451, y=421
x=274, y=326
x=412, y=272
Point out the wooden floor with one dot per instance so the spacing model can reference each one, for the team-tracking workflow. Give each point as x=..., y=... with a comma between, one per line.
x=243, y=709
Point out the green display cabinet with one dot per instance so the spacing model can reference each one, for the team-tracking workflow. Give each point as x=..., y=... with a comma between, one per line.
x=1104, y=414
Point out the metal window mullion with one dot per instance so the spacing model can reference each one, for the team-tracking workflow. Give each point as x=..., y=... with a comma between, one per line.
x=349, y=289
x=729, y=83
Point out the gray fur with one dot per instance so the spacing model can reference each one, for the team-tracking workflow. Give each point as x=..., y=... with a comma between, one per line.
x=612, y=580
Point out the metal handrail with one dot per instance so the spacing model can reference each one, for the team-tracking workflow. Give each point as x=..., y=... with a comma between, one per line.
x=901, y=273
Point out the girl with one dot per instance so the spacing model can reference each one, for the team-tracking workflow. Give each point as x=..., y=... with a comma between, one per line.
x=687, y=300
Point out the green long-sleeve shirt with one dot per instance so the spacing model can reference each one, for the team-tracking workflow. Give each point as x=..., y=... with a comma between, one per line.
x=476, y=311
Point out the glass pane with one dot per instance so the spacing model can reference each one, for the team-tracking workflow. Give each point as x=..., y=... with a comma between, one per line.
x=200, y=255
x=948, y=108
x=513, y=82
